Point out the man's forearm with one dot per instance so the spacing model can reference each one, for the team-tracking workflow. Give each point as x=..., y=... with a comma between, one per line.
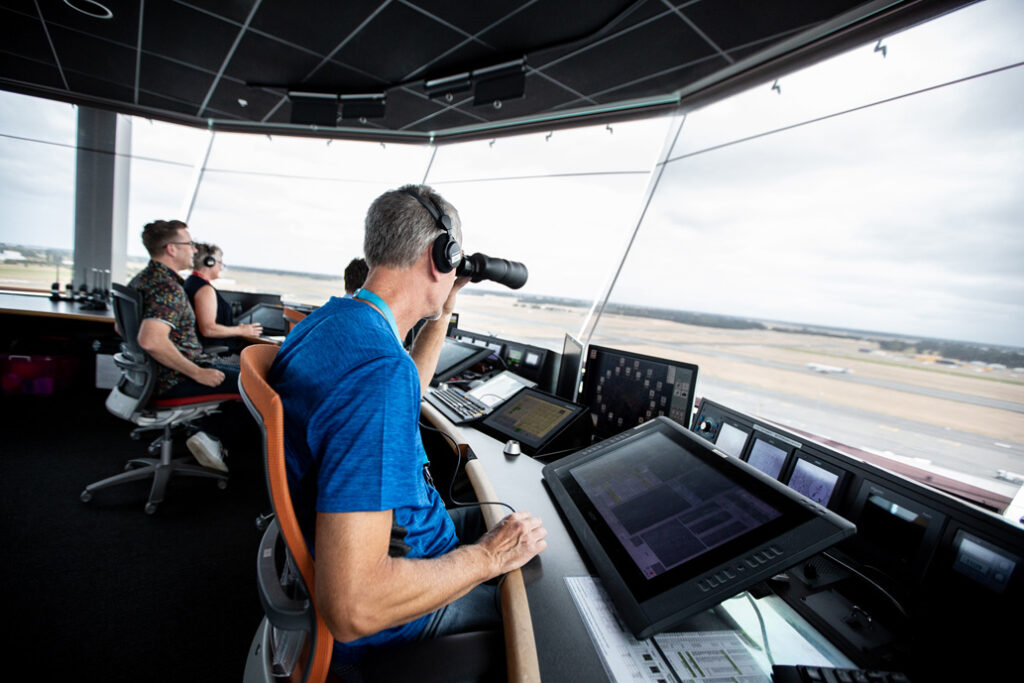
x=404, y=590
x=426, y=348
x=167, y=354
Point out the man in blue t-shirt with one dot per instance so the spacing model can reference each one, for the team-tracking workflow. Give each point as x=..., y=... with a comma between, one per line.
x=392, y=564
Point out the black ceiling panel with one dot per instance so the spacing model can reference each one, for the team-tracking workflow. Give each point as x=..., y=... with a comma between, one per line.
x=106, y=60
x=22, y=34
x=580, y=55
x=199, y=39
x=123, y=28
x=396, y=42
x=318, y=27
x=260, y=60
x=174, y=80
x=731, y=23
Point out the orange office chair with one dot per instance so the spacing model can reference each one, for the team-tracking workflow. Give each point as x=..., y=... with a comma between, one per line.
x=131, y=400
x=293, y=640
x=292, y=317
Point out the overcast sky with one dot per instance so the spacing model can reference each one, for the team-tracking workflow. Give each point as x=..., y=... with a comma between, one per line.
x=901, y=217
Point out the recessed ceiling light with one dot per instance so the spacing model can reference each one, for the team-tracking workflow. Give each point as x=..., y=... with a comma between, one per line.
x=90, y=8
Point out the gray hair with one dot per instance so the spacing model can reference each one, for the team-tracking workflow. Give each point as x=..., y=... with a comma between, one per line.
x=399, y=228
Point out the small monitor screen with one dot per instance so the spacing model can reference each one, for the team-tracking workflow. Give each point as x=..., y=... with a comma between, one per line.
x=623, y=389
x=674, y=528
x=532, y=418
x=456, y=356
x=731, y=440
x=813, y=481
x=984, y=563
x=569, y=369
x=767, y=458
x=896, y=529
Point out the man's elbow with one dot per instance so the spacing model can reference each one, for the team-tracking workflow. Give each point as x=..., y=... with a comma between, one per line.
x=208, y=330
x=352, y=621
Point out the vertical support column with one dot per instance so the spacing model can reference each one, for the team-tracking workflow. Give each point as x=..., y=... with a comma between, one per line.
x=597, y=308
x=102, y=169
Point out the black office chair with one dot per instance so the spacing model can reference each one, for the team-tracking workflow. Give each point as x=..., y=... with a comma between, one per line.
x=130, y=400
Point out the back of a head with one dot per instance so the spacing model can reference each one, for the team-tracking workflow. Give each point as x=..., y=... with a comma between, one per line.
x=160, y=233
x=355, y=274
x=205, y=251
x=399, y=228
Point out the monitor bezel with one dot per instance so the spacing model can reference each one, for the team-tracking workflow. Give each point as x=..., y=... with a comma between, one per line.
x=810, y=457
x=587, y=387
x=649, y=606
x=560, y=389
x=451, y=371
x=783, y=444
x=487, y=424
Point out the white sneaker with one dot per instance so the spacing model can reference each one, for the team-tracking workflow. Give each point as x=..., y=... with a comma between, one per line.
x=207, y=451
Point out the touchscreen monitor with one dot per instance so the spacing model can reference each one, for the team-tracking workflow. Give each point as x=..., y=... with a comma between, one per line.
x=731, y=439
x=455, y=357
x=674, y=528
x=532, y=417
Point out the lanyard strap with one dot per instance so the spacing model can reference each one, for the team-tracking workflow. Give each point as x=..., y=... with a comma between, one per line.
x=367, y=295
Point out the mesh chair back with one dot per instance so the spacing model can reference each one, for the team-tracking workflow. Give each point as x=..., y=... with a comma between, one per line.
x=138, y=370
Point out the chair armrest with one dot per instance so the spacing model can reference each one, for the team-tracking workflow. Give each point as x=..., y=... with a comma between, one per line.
x=282, y=611
x=215, y=350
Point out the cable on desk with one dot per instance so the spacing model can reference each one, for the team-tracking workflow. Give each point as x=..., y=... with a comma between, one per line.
x=455, y=474
x=764, y=630
x=874, y=584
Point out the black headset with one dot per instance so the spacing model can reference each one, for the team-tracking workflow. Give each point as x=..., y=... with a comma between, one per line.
x=446, y=251
x=209, y=261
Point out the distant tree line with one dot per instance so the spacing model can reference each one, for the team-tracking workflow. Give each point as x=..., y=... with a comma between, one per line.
x=963, y=351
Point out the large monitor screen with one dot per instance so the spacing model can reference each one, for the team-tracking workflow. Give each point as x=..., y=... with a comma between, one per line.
x=456, y=356
x=673, y=528
x=623, y=389
x=569, y=369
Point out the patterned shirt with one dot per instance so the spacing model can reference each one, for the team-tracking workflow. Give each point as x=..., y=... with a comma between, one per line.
x=164, y=299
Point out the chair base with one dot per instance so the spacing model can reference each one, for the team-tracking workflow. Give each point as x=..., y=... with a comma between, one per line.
x=160, y=470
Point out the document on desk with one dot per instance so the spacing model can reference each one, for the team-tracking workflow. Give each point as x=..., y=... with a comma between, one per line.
x=706, y=656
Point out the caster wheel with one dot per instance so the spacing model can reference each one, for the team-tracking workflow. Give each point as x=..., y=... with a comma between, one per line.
x=86, y=496
x=150, y=508
x=222, y=484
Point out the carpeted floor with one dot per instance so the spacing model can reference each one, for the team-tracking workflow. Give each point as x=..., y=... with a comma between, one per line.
x=102, y=591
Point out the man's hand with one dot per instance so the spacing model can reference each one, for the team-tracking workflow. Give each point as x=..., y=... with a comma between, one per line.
x=449, y=304
x=250, y=329
x=515, y=540
x=209, y=377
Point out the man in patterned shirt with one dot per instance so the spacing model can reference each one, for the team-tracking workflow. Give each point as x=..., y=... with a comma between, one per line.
x=168, y=329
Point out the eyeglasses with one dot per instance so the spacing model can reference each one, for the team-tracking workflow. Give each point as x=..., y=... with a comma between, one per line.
x=191, y=244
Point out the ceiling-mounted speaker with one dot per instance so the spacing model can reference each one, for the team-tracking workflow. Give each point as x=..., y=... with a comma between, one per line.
x=498, y=83
x=363, y=106
x=314, y=109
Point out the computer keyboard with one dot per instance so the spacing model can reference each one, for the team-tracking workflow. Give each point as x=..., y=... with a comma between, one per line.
x=782, y=673
x=456, y=405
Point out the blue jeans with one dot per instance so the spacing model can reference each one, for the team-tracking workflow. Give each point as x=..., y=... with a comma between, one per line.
x=480, y=608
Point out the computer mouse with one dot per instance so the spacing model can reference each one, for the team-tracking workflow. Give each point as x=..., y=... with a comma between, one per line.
x=511, y=447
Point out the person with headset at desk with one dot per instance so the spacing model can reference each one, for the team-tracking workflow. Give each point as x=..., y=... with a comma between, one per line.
x=392, y=563
x=214, y=320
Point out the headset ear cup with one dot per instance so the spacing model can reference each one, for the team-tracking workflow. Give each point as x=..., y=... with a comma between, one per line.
x=209, y=261
x=442, y=251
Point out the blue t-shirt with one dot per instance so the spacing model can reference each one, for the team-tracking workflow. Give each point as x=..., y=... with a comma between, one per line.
x=351, y=398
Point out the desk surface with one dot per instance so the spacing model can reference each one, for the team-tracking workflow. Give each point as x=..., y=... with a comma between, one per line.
x=40, y=305
x=565, y=650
